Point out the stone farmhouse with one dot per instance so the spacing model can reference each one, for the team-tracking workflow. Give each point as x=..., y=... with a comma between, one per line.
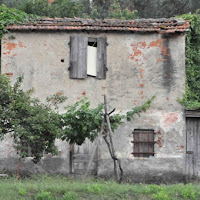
x=129, y=61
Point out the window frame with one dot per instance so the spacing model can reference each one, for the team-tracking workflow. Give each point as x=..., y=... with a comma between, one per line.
x=78, y=56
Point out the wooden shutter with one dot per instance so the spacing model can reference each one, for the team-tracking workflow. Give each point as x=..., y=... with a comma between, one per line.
x=78, y=56
x=101, y=57
x=143, y=143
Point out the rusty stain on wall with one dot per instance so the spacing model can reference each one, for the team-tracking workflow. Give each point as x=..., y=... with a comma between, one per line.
x=160, y=139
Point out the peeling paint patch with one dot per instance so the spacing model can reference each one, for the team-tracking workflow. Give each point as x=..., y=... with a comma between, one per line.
x=141, y=70
x=157, y=43
x=160, y=140
x=141, y=85
x=165, y=52
x=161, y=59
x=136, y=102
x=137, y=52
x=179, y=148
x=59, y=93
x=20, y=44
x=9, y=74
x=10, y=46
x=171, y=118
x=84, y=93
x=7, y=53
x=45, y=43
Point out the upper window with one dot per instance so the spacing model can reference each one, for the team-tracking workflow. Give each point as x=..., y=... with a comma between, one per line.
x=87, y=57
x=143, y=143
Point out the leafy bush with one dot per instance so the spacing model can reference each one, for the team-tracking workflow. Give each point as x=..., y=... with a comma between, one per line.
x=29, y=122
x=22, y=191
x=44, y=196
x=150, y=189
x=70, y=196
x=94, y=189
x=188, y=192
x=161, y=196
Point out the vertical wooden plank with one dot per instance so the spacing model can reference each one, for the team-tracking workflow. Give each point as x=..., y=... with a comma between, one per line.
x=101, y=57
x=141, y=145
x=195, y=147
x=78, y=56
x=190, y=148
x=198, y=150
x=145, y=137
x=151, y=145
x=136, y=146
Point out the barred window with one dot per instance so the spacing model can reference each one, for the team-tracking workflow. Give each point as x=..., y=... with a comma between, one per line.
x=143, y=143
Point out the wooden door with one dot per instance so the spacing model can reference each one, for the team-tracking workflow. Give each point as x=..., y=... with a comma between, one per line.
x=193, y=148
x=81, y=156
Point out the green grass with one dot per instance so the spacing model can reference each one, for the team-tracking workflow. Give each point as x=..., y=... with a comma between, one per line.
x=63, y=188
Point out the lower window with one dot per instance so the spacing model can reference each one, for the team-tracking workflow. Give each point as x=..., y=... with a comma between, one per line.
x=143, y=143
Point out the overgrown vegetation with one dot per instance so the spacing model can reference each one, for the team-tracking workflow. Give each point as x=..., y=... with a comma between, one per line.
x=79, y=8
x=11, y=16
x=59, y=8
x=191, y=98
x=62, y=188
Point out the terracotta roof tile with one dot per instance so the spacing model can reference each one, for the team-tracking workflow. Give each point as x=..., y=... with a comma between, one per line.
x=171, y=25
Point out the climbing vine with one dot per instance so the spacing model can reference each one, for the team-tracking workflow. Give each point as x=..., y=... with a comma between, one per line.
x=11, y=16
x=81, y=121
x=191, y=98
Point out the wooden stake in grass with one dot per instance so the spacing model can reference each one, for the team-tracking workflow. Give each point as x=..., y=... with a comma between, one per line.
x=118, y=171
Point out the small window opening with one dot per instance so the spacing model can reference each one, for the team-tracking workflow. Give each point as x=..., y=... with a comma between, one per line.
x=92, y=57
x=143, y=143
x=62, y=60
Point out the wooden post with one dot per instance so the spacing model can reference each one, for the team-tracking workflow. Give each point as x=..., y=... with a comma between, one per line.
x=110, y=145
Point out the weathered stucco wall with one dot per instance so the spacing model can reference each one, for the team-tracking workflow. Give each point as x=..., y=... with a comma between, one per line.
x=139, y=66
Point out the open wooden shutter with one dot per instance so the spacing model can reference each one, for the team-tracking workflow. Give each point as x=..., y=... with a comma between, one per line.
x=101, y=57
x=78, y=56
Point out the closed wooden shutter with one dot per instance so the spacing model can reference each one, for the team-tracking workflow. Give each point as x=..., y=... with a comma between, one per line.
x=78, y=56
x=101, y=57
x=143, y=143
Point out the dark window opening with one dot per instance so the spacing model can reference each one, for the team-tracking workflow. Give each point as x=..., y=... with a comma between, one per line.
x=143, y=143
x=92, y=42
